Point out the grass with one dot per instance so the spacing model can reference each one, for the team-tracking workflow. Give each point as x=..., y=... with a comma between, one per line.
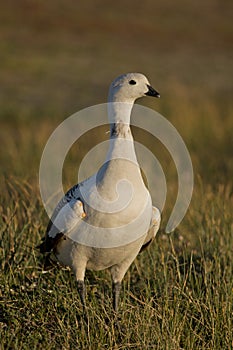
x=176, y=295
x=57, y=59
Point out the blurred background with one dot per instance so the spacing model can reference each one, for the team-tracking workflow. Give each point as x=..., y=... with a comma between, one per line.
x=58, y=57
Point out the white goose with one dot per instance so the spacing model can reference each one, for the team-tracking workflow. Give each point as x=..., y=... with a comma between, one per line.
x=116, y=219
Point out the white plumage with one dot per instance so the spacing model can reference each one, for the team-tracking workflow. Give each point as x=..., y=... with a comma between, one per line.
x=106, y=220
x=69, y=217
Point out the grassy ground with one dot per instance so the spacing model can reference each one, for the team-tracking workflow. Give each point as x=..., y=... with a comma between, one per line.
x=57, y=58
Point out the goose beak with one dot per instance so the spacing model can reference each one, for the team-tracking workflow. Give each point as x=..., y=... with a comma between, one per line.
x=152, y=92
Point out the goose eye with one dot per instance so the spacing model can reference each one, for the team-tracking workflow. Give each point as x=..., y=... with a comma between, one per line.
x=132, y=82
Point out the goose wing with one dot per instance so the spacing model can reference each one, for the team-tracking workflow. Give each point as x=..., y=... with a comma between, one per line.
x=154, y=227
x=67, y=214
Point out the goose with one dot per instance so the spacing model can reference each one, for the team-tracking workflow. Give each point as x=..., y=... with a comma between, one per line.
x=104, y=221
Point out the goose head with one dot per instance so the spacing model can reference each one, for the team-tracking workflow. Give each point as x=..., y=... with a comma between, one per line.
x=129, y=87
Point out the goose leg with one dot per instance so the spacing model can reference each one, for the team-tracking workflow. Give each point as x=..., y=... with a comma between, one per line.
x=116, y=288
x=82, y=292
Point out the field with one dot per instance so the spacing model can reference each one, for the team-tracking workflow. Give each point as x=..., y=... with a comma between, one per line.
x=59, y=57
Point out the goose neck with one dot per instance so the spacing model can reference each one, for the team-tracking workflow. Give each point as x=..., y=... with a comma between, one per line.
x=119, y=118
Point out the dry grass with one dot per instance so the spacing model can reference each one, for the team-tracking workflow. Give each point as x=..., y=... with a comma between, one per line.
x=176, y=295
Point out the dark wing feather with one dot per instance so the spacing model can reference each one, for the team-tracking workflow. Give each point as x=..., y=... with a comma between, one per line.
x=49, y=243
